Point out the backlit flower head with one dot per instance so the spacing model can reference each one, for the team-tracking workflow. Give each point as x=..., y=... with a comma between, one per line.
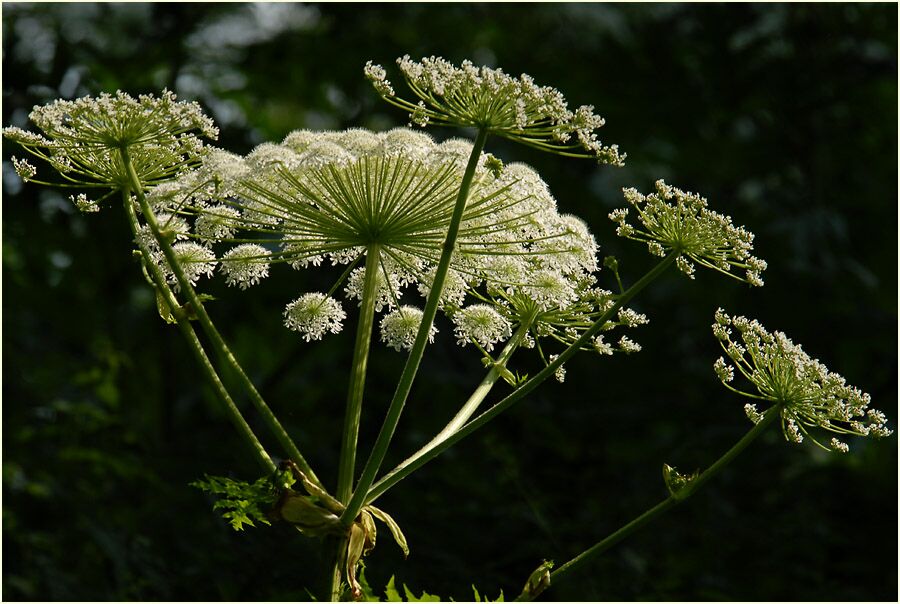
x=83, y=139
x=399, y=328
x=672, y=220
x=313, y=315
x=481, y=97
x=808, y=395
x=324, y=198
x=196, y=261
x=481, y=324
x=245, y=265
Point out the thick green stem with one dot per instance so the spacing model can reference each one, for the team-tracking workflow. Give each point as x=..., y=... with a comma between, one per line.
x=347, y=463
x=471, y=405
x=418, y=348
x=196, y=347
x=212, y=333
x=528, y=386
x=769, y=417
x=336, y=547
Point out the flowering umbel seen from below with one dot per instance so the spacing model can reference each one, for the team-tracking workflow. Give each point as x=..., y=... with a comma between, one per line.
x=329, y=197
x=83, y=140
x=672, y=220
x=808, y=395
x=489, y=99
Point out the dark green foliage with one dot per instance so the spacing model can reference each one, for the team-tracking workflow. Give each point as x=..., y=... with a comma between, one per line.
x=245, y=502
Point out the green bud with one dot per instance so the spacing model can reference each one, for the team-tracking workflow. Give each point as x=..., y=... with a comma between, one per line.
x=677, y=483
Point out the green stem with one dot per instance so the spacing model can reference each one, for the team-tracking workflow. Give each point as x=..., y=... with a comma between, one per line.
x=471, y=405
x=347, y=462
x=335, y=548
x=769, y=417
x=418, y=348
x=196, y=347
x=528, y=386
x=212, y=333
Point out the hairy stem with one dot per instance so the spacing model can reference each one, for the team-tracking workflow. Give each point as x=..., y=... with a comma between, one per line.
x=347, y=462
x=212, y=333
x=336, y=547
x=418, y=348
x=196, y=347
x=768, y=418
x=470, y=406
x=528, y=386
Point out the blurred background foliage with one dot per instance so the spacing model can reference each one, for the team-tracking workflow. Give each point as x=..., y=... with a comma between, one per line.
x=784, y=116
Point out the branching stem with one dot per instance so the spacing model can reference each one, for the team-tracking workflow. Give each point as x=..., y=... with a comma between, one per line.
x=206, y=323
x=418, y=348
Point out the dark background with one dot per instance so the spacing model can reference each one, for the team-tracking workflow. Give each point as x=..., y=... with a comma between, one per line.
x=784, y=116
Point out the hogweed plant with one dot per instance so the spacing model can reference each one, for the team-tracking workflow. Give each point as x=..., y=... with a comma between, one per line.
x=416, y=228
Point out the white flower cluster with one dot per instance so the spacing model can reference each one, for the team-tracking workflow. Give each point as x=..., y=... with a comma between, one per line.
x=673, y=220
x=481, y=97
x=245, y=265
x=313, y=315
x=327, y=196
x=482, y=325
x=23, y=168
x=808, y=395
x=84, y=204
x=82, y=139
x=399, y=328
x=195, y=260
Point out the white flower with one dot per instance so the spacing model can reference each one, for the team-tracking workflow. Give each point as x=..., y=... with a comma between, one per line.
x=723, y=370
x=628, y=346
x=481, y=97
x=84, y=204
x=195, y=260
x=672, y=220
x=560, y=373
x=482, y=324
x=245, y=265
x=807, y=393
x=216, y=223
x=313, y=315
x=399, y=328
x=23, y=168
x=81, y=135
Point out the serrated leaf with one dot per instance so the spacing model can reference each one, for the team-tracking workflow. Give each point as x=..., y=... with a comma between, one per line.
x=390, y=592
x=425, y=597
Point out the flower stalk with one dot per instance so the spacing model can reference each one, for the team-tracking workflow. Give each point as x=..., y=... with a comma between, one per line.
x=196, y=347
x=471, y=405
x=418, y=348
x=197, y=306
x=347, y=462
x=400, y=473
x=677, y=496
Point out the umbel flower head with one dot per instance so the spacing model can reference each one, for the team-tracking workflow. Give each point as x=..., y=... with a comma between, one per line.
x=808, y=395
x=329, y=197
x=672, y=220
x=83, y=139
x=485, y=98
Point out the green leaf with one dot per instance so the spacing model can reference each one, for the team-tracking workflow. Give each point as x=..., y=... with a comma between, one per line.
x=425, y=597
x=390, y=592
x=244, y=503
x=164, y=310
